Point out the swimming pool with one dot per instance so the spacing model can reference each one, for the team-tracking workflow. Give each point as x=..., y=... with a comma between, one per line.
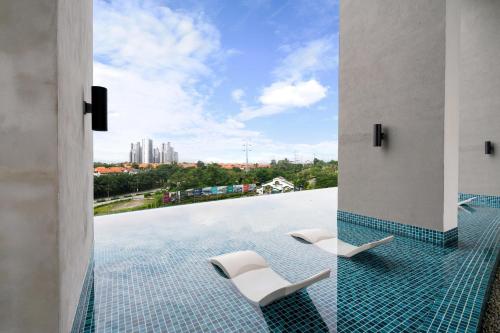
x=151, y=272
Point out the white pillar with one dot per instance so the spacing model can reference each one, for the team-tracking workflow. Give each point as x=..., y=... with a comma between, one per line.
x=398, y=67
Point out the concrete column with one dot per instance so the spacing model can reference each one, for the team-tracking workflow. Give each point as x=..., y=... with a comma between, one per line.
x=480, y=97
x=46, y=231
x=399, y=67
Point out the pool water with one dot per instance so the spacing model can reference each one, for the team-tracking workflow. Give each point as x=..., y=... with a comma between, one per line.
x=151, y=272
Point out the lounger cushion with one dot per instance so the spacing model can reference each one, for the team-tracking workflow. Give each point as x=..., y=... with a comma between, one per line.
x=259, y=283
x=236, y=263
x=466, y=201
x=256, y=281
x=336, y=246
x=326, y=241
x=312, y=235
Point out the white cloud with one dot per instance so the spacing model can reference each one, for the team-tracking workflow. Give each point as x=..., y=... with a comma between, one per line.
x=282, y=96
x=295, y=85
x=314, y=56
x=298, y=94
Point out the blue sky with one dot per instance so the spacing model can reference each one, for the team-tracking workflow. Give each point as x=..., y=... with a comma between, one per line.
x=210, y=75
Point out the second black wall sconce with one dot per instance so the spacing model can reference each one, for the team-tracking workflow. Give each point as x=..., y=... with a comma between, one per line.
x=488, y=148
x=98, y=108
x=378, y=135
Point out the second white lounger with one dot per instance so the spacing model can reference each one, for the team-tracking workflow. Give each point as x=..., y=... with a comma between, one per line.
x=253, y=277
x=466, y=201
x=329, y=242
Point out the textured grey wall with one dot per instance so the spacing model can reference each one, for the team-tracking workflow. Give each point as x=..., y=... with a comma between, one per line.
x=480, y=97
x=28, y=167
x=75, y=152
x=45, y=165
x=392, y=71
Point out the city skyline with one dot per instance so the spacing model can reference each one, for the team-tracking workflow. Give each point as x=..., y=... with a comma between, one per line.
x=144, y=152
x=211, y=76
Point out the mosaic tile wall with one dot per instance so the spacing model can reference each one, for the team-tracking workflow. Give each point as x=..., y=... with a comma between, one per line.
x=481, y=200
x=459, y=306
x=423, y=234
x=84, y=307
x=426, y=289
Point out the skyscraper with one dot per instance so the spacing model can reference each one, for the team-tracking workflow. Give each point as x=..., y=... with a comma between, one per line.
x=170, y=153
x=156, y=155
x=150, y=156
x=163, y=153
x=135, y=155
x=138, y=152
x=144, y=152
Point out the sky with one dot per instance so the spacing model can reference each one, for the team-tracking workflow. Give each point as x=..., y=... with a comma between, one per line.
x=210, y=75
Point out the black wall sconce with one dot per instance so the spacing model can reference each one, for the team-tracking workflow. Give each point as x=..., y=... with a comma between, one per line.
x=98, y=108
x=488, y=148
x=378, y=135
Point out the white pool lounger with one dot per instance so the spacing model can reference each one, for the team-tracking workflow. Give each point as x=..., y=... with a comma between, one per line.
x=329, y=242
x=466, y=201
x=253, y=277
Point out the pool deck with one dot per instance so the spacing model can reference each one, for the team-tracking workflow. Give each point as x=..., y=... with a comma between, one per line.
x=151, y=271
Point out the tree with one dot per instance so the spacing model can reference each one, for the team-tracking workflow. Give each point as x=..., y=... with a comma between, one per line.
x=177, y=178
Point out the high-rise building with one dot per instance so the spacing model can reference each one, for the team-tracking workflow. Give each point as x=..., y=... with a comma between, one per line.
x=147, y=150
x=144, y=152
x=138, y=152
x=135, y=155
x=170, y=153
x=156, y=155
x=163, y=153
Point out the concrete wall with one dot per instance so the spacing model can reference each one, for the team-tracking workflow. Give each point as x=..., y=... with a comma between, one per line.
x=480, y=97
x=28, y=167
x=46, y=152
x=393, y=70
x=75, y=152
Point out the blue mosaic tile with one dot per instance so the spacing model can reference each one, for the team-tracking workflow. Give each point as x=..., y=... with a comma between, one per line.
x=423, y=234
x=459, y=306
x=152, y=275
x=481, y=199
x=84, y=308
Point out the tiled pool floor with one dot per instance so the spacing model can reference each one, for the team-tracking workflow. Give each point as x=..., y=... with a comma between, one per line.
x=152, y=274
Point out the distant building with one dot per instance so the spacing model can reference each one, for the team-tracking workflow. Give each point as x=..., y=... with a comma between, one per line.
x=145, y=152
x=163, y=153
x=156, y=155
x=104, y=171
x=277, y=185
x=242, y=166
x=170, y=153
x=135, y=155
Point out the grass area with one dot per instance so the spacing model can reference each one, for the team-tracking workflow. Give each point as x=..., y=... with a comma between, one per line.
x=155, y=201
x=126, y=205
